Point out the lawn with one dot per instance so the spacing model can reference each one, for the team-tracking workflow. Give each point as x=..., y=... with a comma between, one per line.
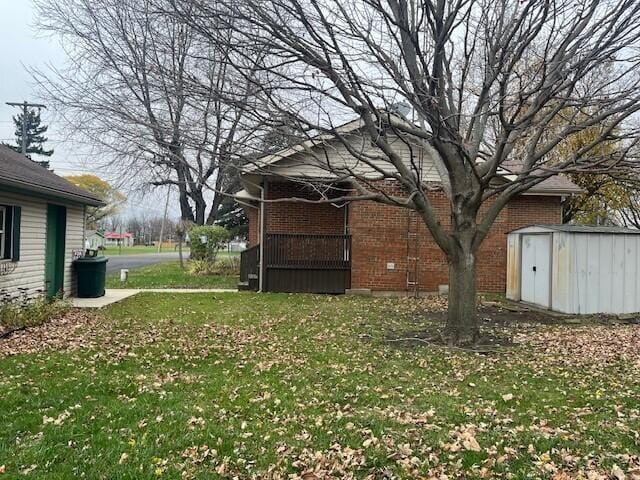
x=311, y=387
x=169, y=275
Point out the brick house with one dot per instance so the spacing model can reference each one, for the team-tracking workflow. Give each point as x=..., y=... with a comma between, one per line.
x=363, y=245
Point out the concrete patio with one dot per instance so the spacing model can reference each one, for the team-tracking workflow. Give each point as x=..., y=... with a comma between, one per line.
x=114, y=295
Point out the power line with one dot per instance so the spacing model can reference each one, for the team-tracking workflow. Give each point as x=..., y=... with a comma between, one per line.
x=25, y=105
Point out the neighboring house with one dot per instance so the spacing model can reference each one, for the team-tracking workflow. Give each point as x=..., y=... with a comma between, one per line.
x=363, y=245
x=117, y=239
x=41, y=227
x=94, y=239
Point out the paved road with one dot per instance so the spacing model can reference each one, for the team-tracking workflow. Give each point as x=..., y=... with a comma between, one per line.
x=116, y=262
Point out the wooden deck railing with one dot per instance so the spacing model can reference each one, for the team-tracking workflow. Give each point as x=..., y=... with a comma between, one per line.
x=307, y=252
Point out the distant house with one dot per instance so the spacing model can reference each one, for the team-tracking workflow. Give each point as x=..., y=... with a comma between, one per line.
x=94, y=239
x=41, y=227
x=117, y=239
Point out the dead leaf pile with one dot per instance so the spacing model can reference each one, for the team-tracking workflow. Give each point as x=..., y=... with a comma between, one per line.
x=74, y=330
x=589, y=344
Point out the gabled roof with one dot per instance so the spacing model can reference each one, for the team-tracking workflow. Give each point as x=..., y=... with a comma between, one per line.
x=17, y=171
x=556, y=185
x=312, y=142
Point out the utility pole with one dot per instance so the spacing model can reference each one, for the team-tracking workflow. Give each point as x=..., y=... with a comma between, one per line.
x=25, y=106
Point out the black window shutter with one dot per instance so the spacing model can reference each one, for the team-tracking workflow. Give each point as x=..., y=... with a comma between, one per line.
x=15, y=239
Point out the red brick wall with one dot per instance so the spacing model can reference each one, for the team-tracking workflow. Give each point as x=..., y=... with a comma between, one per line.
x=296, y=217
x=379, y=236
x=253, y=215
x=520, y=212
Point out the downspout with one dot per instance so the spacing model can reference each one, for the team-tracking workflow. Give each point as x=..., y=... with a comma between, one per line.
x=74, y=277
x=263, y=222
x=84, y=227
x=346, y=219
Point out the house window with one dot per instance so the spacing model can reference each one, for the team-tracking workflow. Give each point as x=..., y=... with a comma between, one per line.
x=9, y=233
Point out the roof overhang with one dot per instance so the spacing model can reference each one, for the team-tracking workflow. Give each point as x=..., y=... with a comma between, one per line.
x=19, y=186
x=254, y=174
x=252, y=183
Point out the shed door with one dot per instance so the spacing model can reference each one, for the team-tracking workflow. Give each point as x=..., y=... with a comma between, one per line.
x=536, y=269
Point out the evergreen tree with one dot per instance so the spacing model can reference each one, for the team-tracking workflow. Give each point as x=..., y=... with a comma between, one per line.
x=35, y=138
x=232, y=217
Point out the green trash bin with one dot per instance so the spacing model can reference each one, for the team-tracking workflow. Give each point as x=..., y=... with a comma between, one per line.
x=91, y=273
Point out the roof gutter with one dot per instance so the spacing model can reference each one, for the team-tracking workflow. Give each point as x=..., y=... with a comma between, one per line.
x=550, y=193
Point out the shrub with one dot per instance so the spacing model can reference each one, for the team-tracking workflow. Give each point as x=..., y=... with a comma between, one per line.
x=214, y=238
x=228, y=266
x=24, y=310
x=200, y=266
x=225, y=266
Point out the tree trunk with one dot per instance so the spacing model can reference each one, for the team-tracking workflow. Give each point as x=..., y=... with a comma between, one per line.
x=462, y=324
x=200, y=207
x=186, y=213
x=215, y=206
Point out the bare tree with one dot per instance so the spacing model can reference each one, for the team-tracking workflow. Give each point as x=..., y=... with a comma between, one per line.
x=146, y=228
x=112, y=223
x=141, y=84
x=483, y=78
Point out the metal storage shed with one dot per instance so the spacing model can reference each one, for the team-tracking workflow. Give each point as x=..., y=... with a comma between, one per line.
x=574, y=268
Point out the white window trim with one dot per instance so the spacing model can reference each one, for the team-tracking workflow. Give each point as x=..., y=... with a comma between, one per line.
x=3, y=233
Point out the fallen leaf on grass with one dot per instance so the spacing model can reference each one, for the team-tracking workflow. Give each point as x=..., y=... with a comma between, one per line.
x=470, y=443
x=617, y=473
x=309, y=476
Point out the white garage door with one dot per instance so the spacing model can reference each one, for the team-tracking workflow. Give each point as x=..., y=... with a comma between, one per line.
x=536, y=268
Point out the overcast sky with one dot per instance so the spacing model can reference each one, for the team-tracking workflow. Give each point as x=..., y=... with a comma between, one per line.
x=22, y=47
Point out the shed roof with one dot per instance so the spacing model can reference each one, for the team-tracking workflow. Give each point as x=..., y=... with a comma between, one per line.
x=18, y=171
x=577, y=229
